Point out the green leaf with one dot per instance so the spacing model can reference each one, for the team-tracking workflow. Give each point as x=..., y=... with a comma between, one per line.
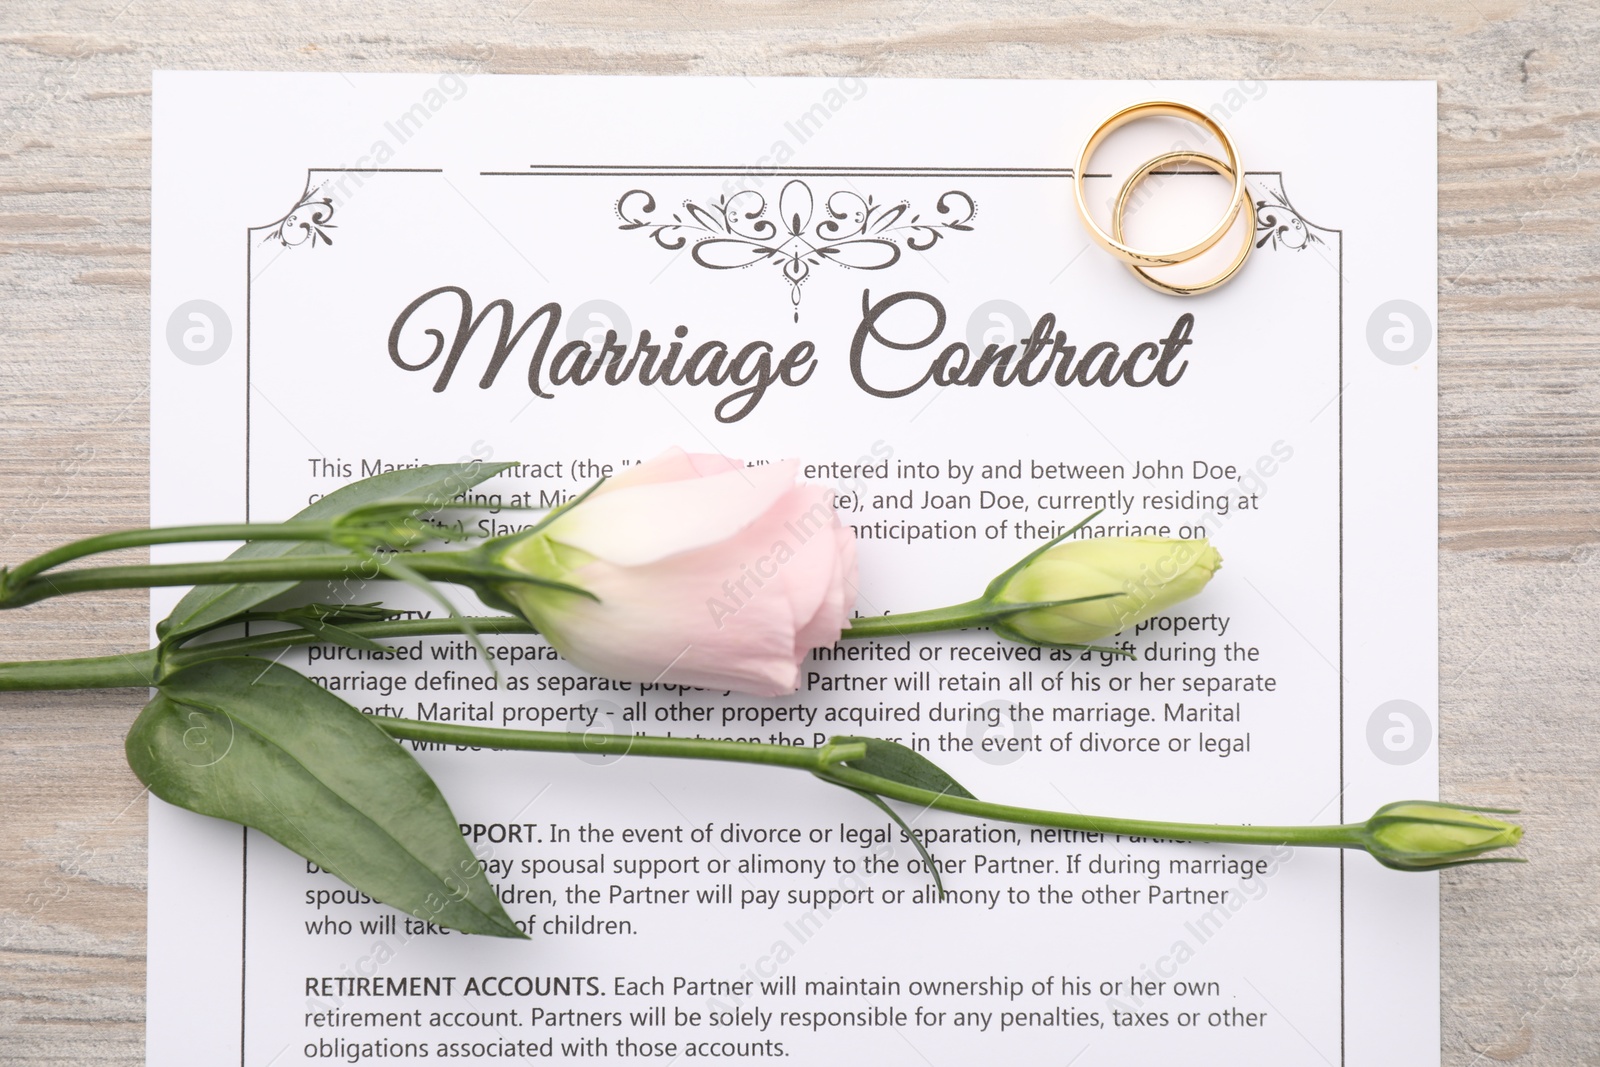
x=338, y=635
x=336, y=614
x=207, y=605
x=272, y=750
x=885, y=759
x=897, y=763
x=922, y=850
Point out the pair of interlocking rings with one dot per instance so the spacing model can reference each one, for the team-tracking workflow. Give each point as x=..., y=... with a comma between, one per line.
x=1138, y=260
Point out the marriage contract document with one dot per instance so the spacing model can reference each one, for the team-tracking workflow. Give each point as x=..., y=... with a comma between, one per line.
x=887, y=280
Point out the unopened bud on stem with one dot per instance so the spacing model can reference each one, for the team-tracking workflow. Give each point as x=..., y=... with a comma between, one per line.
x=1134, y=578
x=1419, y=835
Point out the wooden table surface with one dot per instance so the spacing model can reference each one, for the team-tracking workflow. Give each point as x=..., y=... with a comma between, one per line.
x=1519, y=259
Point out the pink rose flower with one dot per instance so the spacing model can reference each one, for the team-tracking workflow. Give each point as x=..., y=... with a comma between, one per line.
x=706, y=573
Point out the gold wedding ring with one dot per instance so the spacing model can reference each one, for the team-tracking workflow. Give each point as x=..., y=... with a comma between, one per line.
x=1229, y=167
x=1143, y=274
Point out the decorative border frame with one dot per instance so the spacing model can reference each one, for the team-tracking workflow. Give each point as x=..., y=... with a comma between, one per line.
x=1278, y=224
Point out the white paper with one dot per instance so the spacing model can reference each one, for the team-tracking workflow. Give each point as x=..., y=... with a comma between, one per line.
x=311, y=210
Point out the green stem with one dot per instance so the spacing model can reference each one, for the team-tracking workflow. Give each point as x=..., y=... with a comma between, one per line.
x=141, y=669
x=1345, y=836
x=167, y=535
x=136, y=576
x=394, y=628
x=828, y=763
x=798, y=757
x=468, y=567
x=137, y=669
x=973, y=613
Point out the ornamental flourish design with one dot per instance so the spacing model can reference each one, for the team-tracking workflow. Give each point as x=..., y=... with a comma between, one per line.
x=850, y=230
x=1281, y=226
x=307, y=222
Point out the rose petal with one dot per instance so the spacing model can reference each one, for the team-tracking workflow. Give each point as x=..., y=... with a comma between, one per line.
x=673, y=465
x=804, y=544
x=708, y=574
x=674, y=622
x=823, y=628
x=641, y=524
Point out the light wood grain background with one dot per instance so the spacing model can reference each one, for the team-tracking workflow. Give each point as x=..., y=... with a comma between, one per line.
x=1519, y=258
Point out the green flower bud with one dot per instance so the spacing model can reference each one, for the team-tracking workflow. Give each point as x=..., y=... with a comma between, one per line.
x=1134, y=578
x=1419, y=835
